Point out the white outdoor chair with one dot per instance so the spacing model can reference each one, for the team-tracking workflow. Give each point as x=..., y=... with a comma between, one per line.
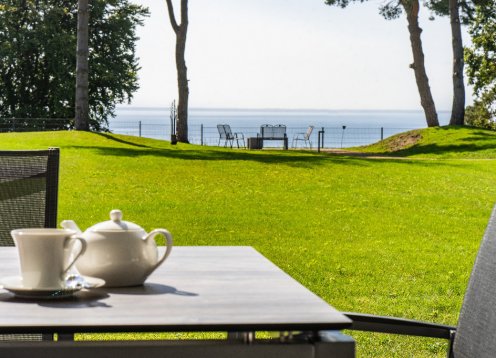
x=305, y=137
x=228, y=136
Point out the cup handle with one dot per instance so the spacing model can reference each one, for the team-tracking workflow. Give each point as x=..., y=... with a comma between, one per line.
x=83, y=249
x=168, y=238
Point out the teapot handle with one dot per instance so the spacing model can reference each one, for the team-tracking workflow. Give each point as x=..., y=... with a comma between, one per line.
x=168, y=238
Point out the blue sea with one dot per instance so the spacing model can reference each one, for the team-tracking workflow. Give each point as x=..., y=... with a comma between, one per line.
x=343, y=128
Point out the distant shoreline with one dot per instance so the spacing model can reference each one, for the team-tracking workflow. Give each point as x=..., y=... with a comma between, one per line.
x=278, y=110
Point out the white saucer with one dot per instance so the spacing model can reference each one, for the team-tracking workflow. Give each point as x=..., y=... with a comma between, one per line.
x=73, y=284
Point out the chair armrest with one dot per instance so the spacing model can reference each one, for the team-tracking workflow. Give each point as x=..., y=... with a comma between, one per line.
x=237, y=135
x=372, y=323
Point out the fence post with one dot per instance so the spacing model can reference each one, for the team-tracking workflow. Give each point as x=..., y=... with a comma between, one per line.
x=382, y=133
x=342, y=136
x=139, y=128
x=323, y=132
x=320, y=142
x=201, y=133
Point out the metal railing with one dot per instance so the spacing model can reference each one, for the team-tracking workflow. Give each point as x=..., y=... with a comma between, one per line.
x=34, y=124
x=322, y=137
x=331, y=137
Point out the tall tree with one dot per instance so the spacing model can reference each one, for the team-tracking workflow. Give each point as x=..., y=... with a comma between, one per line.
x=181, y=31
x=458, y=106
x=392, y=10
x=38, y=60
x=461, y=13
x=82, y=58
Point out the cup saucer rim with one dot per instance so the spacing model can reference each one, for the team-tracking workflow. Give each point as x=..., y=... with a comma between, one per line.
x=12, y=283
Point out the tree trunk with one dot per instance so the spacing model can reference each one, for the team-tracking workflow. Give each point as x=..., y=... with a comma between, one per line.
x=82, y=101
x=182, y=82
x=458, y=107
x=182, y=71
x=412, y=9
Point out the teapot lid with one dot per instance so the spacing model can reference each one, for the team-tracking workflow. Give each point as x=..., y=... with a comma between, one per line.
x=115, y=224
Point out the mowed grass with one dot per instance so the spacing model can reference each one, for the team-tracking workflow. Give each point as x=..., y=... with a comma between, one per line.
x=439, y=142
x=384, y=236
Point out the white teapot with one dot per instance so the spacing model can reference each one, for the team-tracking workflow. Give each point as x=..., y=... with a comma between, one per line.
x=119, y=252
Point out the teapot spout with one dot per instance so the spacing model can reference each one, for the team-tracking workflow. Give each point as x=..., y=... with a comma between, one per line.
x=71, y=225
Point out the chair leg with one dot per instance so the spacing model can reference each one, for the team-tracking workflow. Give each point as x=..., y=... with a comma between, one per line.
x=47, y=336
x=65, y=336
x=450, y=345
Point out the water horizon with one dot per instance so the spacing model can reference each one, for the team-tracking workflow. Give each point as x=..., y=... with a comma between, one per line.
x=360, y=126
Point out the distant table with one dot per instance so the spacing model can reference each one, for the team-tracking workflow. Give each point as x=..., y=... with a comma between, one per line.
x=233, y=289
x=255, y=143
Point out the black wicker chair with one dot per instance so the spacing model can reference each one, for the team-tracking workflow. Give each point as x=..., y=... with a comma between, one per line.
x=28, y=198
x=28, y=190
x=474, y=334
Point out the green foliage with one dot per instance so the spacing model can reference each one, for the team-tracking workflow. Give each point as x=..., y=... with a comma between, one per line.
x=38, y=52
x=480, y=61
x=389, y=10
x=386, y=236
x=467, y=8
x=479, y=115
x=481, y=57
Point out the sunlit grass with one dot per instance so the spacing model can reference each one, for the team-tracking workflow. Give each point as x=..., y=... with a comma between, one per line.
x=439, y=142
x=385, y=236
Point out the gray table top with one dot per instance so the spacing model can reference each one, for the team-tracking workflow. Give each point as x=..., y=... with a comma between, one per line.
x=196, y=289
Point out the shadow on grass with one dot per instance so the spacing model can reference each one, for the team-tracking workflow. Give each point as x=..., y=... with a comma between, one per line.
x=302, y=159
x=120, y=140
x=267, y=157
x=476, y=140
x=291, y=159
x=440, y=149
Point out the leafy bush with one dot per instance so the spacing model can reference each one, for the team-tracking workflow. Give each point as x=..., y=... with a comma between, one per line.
x=480, y=115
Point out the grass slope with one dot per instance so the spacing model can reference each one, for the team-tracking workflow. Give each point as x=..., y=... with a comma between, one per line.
x=438, y=142
x=385, y=236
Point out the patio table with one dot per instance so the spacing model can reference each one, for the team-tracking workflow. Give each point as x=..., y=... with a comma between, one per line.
x=197, y=289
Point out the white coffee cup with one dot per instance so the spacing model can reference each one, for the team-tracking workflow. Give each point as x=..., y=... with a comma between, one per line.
x=45, y=255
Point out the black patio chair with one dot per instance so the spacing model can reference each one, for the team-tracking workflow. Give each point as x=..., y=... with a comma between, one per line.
x=28, y=199
x=474, y=335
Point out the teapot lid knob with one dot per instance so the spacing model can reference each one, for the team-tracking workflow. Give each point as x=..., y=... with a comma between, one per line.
x=116, y=215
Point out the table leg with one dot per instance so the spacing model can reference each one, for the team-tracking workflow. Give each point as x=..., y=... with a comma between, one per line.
x=65, y=336
x=334, y=344
x=245, y=337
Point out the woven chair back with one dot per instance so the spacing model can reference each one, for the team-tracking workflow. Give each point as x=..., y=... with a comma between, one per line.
x=477, y=323
x=28, y=190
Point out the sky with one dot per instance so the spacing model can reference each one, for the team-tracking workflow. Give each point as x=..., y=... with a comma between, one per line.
x=292, y=54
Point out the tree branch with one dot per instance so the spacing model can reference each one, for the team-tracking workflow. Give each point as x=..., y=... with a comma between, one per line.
x=172, y=18
x=184, y=13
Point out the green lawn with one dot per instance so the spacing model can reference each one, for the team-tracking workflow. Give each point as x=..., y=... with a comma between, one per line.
x=385, y=236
